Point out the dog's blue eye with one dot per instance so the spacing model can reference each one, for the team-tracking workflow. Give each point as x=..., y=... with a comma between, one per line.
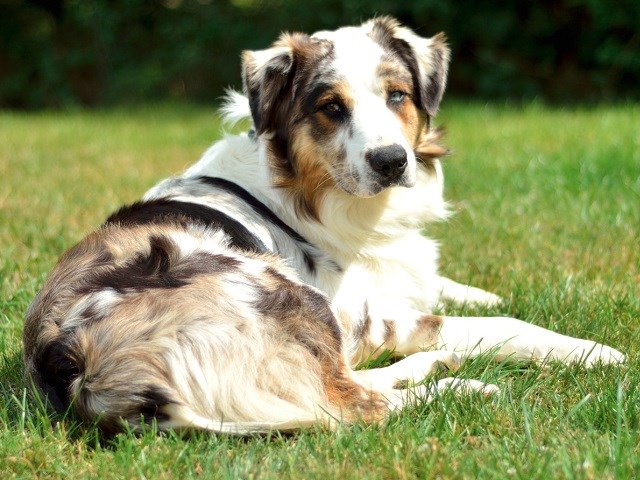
x=397, y=96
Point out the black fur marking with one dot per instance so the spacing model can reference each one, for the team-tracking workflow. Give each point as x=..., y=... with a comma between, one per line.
x=172, y=211
x=382, y=35
x=144, y=271
x=408, y=57
x=151, y=402
x=317, y=89
x=57, y=368
x=265, y=212
x=256, y=205
x=158, y=260
x=309, y=261
x=160, y=268
x=278, y=79
x=280, y=155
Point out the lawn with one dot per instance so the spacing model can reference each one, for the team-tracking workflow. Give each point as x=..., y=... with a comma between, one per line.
x=547, y=208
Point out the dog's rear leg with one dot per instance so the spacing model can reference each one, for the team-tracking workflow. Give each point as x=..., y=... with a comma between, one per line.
x=412, y=369
x=399, y=398
x=384, y=382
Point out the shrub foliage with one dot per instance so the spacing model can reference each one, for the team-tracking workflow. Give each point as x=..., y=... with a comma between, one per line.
x=93, y=52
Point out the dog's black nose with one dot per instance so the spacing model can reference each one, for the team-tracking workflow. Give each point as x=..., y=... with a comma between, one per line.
x=389, y=161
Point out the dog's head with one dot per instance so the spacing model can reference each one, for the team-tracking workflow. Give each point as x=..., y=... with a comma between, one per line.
x=348, y=108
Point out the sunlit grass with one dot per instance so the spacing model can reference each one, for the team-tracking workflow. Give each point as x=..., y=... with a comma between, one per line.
x=547, y=206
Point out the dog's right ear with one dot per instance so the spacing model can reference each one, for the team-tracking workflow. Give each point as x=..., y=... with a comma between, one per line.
x=267, y=77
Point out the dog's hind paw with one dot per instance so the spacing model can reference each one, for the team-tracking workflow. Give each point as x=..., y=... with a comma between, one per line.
x=602, y=355
x=466, y=386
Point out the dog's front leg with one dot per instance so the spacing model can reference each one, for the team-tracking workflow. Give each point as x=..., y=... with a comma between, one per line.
x=408, y=331
x=511, y=338
x=461, y=294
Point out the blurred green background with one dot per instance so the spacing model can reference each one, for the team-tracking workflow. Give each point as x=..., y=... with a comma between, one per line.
x=60, y=53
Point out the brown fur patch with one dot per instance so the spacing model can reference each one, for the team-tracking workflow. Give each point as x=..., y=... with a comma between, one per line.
x=353, y=401
x=428, y=328
x=390, y=336
x=277, y=95
x=361, y=333
x=312, y=178
x=413, y=122
x=429, y=148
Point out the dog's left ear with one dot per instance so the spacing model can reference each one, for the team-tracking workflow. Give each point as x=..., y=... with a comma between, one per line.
x=427, y=59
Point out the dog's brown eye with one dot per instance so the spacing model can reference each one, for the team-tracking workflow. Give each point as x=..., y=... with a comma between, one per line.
x=333, y=109
x=397, y=96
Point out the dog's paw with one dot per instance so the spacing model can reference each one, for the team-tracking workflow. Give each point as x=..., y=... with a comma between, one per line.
x=473, y=296
x=461, y=294
x=600, y=354
x=465, y=386
x=587, y=353
x=438, y=361
x=488, y=299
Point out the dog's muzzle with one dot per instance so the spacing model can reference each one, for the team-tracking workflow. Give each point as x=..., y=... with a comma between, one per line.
x=389, y=162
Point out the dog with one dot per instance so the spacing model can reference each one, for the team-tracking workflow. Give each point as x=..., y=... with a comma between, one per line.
x=239, y=296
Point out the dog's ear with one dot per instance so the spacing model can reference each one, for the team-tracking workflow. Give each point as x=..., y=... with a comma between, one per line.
x=268, y=78
x=427, y=59
x=266, y=74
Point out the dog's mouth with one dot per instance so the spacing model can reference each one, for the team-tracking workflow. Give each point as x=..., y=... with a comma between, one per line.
x=375, y=184
x=385, y=183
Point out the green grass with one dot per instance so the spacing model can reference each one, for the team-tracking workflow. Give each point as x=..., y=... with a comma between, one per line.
x=548, y=215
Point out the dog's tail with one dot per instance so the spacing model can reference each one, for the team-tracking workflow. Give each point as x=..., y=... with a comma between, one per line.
x=183, y=417
x=139, y=387
x=235, y=108
x=180, y=381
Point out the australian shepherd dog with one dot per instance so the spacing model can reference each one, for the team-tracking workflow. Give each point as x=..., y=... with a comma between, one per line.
x=239, y=296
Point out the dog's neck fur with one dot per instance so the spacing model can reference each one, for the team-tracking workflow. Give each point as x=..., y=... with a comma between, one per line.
x=348, y=226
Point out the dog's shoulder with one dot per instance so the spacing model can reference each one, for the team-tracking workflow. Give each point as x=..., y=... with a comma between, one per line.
x=245, y=218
